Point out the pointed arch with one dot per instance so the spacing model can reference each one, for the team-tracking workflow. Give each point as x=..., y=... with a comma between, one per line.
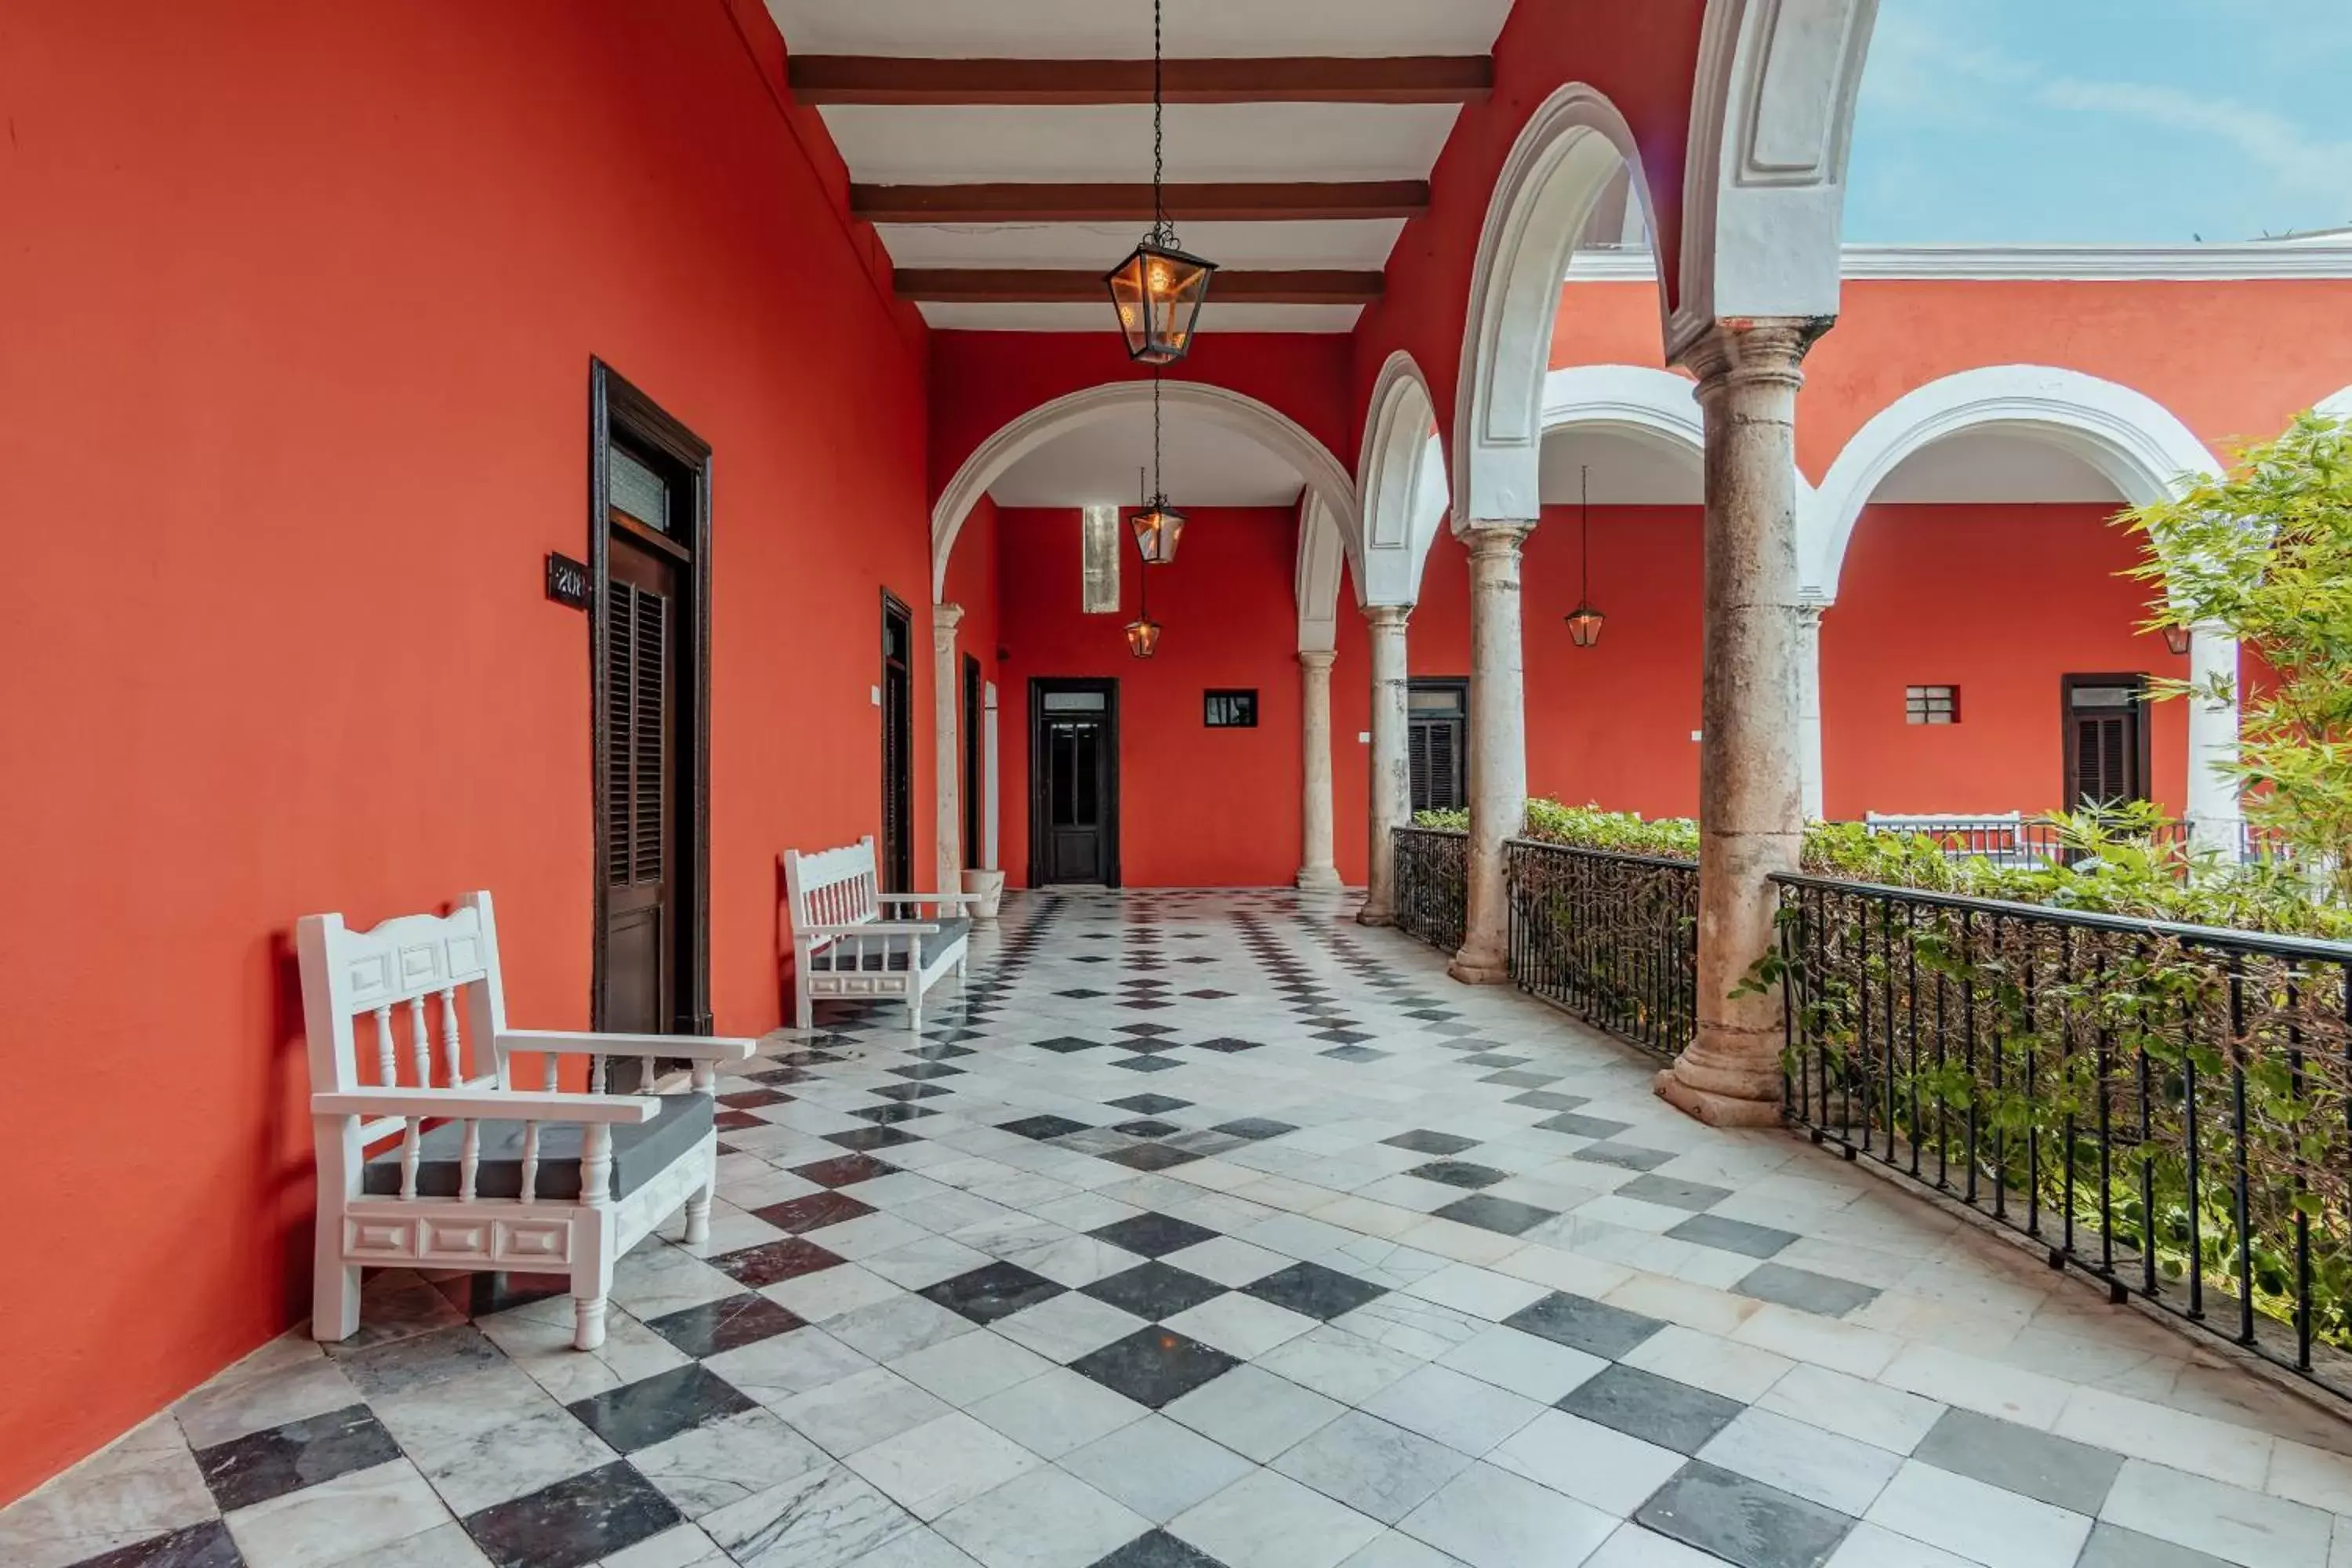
x=1325, y=478
x=2137, y=444
x=1566, y=155
x=1400, y=478
x=1322, y=559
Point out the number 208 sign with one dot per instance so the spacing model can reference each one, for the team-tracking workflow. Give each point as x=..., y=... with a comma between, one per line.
x=567, y=582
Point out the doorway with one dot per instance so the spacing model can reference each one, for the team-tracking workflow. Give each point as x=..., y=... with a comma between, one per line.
x=649, y=681
x=2106, y=738
x=898, y=867
x=973, y=741
x=1073, y=782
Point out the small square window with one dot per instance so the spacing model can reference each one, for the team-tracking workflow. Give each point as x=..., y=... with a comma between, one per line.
x=1931, y=704
x=1229, y=709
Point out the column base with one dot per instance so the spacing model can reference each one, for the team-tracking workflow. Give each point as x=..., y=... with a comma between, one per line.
x=1368, y=916
x=1716, y=1110
x=1317, y=879
x=1737, y=1084
x=1476, y=969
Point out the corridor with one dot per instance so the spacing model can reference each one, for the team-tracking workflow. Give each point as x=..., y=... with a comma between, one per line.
x=1208, y=1229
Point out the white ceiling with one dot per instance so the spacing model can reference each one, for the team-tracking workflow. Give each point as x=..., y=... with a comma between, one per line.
x=1204, y=465
x=1995, y=465
x=1629, y=468
x=1251, y=141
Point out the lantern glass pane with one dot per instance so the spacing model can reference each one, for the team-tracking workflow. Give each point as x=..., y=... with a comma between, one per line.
x=1158, y=531
x=1584, y=627
x=1143, y=638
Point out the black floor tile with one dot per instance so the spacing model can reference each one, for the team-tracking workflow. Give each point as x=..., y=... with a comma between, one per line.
x=480, y=1295
x=1253, y=1128
x=1624, y=1156
x=1499, y=1215
x=1545, y=1099
x=993, y=1291
x=1158, y=1548
x=1424, y=1142
x=1154, y=1290
x=814, y=1211
x=1583, y=1325
x=1150, y=1104
x=1153, y=1234
x=1674, y=1193
x=735, y=1120
x=1042, y=1127
x=1313, y=1290
x=574, y=1521
x=725, y=1324
x=205, y=1545
x=744, y=1099
x=1743, y=1521
x=1583, y=1126
x=1154, y=1366
x=1732, y=1234
x=772, y=1261
x=1151, y=1157
x=1225, y=1044
x=1146, y=1031
x=1147, y=1128
x=1145, y=1063
x=653, y=1409
x=1353, y=1054
x=1459, y=1174
x=1655, y=1409
x=2112, y=1546
x=2052, y=1469
x=1805, y=1290
x=919, y=1071
x=891, y=1115
x=1496, y=1059
x=1065, y=1044
x=906, y=1092
x=867, y=1138
x=263, y=1465
x=844, y=1170
x=1520, y=1077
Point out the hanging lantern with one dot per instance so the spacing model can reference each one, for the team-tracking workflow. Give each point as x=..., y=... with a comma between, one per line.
x=1158, y=527
x=1160, y=289
x=2177, y=639
x=1584, y=621
x=1143, y=637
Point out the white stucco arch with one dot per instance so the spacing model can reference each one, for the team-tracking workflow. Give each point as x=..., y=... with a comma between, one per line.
x=1570, y=150
x=1625, y=398
x=2137, y=444
x=1400, y=478
x=2338, y=406
x=1325, y=478
x=1764, y=174
x=1322, y=561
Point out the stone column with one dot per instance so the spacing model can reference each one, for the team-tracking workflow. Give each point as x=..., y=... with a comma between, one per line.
x=1808, y=706
x=1752, y=793
x=1498, y=746
x=1387, y=787
x=1317, y=871
x=2214, y=814
x=945, y=688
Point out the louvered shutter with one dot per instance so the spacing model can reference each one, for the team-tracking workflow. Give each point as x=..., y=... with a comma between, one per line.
x=636, y=665
x=1417, y=755
x=1445, y=765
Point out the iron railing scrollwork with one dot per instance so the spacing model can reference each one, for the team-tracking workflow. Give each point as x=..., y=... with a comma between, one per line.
x=1431, y=883
x=2166, y=1109
x=1610, y=938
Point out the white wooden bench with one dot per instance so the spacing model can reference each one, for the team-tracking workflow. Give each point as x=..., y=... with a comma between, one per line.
x=842, y=947
x=504, y=1178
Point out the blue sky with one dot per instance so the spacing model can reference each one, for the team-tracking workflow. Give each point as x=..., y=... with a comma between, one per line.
x=2096, y=122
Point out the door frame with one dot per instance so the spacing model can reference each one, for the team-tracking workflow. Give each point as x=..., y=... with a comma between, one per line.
x=971, y=715
x=2143, y=761
x=615, y=405
x=1039, y=828
x=885, y=862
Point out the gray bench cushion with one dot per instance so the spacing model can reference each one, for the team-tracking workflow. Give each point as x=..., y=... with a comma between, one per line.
x=641, y=1151
x=890, y=953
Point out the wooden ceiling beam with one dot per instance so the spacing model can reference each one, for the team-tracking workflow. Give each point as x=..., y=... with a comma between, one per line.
x=1194, y=203
x=882, y=79
x=1055, y=286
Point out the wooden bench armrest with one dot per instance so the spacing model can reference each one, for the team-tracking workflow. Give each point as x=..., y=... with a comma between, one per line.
x=940, y=899
x=872, y=928
x=496, y=1104
x=575, y=1042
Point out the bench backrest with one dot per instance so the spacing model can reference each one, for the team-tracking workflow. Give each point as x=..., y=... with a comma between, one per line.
x=447, y=964
x=832, y=888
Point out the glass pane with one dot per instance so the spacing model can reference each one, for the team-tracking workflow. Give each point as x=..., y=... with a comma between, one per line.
x=1447, y=699
x=2106, y=696
x=1075, y=702
x=1062, y=748
x=1083, y=741
x=637, y=490
x=1098, y=561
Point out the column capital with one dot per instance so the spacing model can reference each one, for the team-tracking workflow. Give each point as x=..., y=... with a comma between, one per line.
x=1762, y=350
x=946, y=617
x=1809, y=614
x=1386, y=615
x=1493, y=538
x=1317, y=658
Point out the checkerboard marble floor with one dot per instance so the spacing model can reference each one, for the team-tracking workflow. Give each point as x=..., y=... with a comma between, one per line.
x=1208, y=1230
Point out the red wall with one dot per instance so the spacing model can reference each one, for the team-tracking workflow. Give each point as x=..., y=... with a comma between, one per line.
x=1198, y=808
x=2001, y=602
x=301, y=303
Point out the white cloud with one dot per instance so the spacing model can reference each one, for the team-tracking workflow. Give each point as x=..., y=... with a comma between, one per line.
x=2297, y=160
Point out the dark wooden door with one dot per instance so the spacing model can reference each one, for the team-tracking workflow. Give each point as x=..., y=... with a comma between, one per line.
x=897, y=850
x=645, y=653
x=1073, y=782
x=975, y=743
x=2106, y=738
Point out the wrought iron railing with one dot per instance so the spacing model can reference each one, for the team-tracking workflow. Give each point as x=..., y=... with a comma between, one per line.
x=1612, y=938
x=2166, y=1109
x=1431, y=884
x=2016, y=839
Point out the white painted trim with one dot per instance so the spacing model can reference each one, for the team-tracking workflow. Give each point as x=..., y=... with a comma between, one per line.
x=2051, y=263
x=2140, y=446
x=1625, y=398
x=1570, y=150
x=1764, y=173
x=1400, y=476
x=1269, y=427
x=1322, y=552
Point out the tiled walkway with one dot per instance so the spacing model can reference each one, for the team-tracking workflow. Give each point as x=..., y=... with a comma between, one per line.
x=1217, y=1231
